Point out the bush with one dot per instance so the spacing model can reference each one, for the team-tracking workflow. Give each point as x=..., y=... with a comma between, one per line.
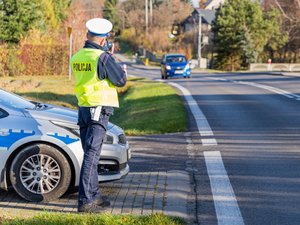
x=45, y=59
x=14, y=64
x=10, y=63
x=3, y=60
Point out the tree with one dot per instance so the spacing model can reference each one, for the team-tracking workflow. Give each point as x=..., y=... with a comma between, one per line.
x=171, y=12
x=111, y=13
x=242, y=31
x=17, y=18
x=290, y=11
x=165, y=15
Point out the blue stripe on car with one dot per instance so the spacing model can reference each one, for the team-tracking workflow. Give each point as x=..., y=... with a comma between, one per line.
x=66, y=139
x=9, y=136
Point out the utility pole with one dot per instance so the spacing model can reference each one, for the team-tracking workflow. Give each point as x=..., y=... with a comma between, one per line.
x=70, y=50
x=199, y=38
x=151, y=12
x=146, y=16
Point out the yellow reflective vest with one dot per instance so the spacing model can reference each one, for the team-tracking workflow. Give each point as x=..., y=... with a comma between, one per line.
x=89, y=89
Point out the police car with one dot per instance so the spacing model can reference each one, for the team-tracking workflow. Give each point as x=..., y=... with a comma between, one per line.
x=41, y=153
x=175, y=65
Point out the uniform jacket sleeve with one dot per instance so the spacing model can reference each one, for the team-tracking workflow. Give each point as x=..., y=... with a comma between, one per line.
x=109, y=68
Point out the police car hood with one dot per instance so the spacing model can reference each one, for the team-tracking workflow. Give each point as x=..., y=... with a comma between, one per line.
x=58, y=113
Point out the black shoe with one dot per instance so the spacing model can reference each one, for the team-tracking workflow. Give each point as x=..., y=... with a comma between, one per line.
x=90, y=208
x=103, y=202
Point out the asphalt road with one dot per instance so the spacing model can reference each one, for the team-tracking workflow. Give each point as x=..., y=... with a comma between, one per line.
x=255, y=120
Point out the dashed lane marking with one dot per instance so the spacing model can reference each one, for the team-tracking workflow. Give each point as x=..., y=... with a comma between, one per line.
x=226, y=206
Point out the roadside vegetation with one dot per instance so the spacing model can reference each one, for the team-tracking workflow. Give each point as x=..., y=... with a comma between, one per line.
x=243, y=31
x=92, y=219
x=150, y=107
x=146, y=107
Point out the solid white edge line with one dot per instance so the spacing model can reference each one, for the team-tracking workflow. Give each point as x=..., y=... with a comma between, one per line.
x=201, y=121
x=226, y=206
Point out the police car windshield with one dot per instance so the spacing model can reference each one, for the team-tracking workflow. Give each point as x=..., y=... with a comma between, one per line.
x=176, y=58
x=13, y=101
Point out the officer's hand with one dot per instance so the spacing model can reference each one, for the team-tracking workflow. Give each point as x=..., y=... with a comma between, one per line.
x=125, y=69
x=112, y=49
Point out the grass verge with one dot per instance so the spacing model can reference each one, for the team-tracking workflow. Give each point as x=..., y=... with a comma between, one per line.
x=146, y=107
x=150, y=107
x=93, y=219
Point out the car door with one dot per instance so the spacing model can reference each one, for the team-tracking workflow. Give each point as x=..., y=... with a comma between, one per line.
x=3, y=132
x=14, y=126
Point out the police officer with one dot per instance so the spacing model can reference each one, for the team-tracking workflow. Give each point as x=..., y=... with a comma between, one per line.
x=97, y=75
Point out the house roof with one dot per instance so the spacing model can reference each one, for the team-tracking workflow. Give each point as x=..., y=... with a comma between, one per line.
x=207, y=15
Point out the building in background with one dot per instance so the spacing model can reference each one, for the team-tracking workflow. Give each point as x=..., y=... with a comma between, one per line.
x=207, y=4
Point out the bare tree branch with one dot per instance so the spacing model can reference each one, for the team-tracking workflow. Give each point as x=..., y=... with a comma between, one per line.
x=298, y=1
x=282, y=11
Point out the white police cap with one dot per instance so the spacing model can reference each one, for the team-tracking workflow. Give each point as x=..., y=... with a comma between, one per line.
x=99, y=27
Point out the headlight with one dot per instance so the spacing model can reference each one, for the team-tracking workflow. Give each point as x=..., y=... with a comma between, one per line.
x=168, y=67
x=73, y=128
x=187, y=67
x=122, y=139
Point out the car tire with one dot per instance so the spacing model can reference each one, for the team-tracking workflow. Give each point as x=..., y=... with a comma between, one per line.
x=43, y=181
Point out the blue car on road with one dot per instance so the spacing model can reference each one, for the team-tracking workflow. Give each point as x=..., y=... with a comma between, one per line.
x=175, y=65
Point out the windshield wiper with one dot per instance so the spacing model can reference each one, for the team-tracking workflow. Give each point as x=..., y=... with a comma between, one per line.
x=39, y=105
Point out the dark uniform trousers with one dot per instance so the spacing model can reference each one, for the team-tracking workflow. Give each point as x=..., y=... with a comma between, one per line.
x=92, y=133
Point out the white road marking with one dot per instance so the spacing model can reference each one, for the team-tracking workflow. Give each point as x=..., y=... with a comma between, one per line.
x=201, y=121
x=227, y=209
x=262, y=86
x=269, y=88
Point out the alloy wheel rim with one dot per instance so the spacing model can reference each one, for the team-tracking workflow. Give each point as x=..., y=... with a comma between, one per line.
x=40, y=174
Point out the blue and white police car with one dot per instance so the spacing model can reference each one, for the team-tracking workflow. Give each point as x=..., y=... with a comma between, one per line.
x=41, y=153
x=175, y=65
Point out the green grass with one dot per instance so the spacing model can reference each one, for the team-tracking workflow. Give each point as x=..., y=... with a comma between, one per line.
x=150, y=108
x=94, y=219
x=56, y=90
x=146, y=107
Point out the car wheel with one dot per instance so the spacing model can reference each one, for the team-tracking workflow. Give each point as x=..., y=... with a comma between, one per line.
x=40, y=173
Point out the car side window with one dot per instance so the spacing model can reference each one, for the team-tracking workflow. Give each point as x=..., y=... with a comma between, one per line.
x=3, y=113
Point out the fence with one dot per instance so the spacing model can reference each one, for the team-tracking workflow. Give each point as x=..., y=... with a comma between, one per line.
x=149, y=55
x=275, y=67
